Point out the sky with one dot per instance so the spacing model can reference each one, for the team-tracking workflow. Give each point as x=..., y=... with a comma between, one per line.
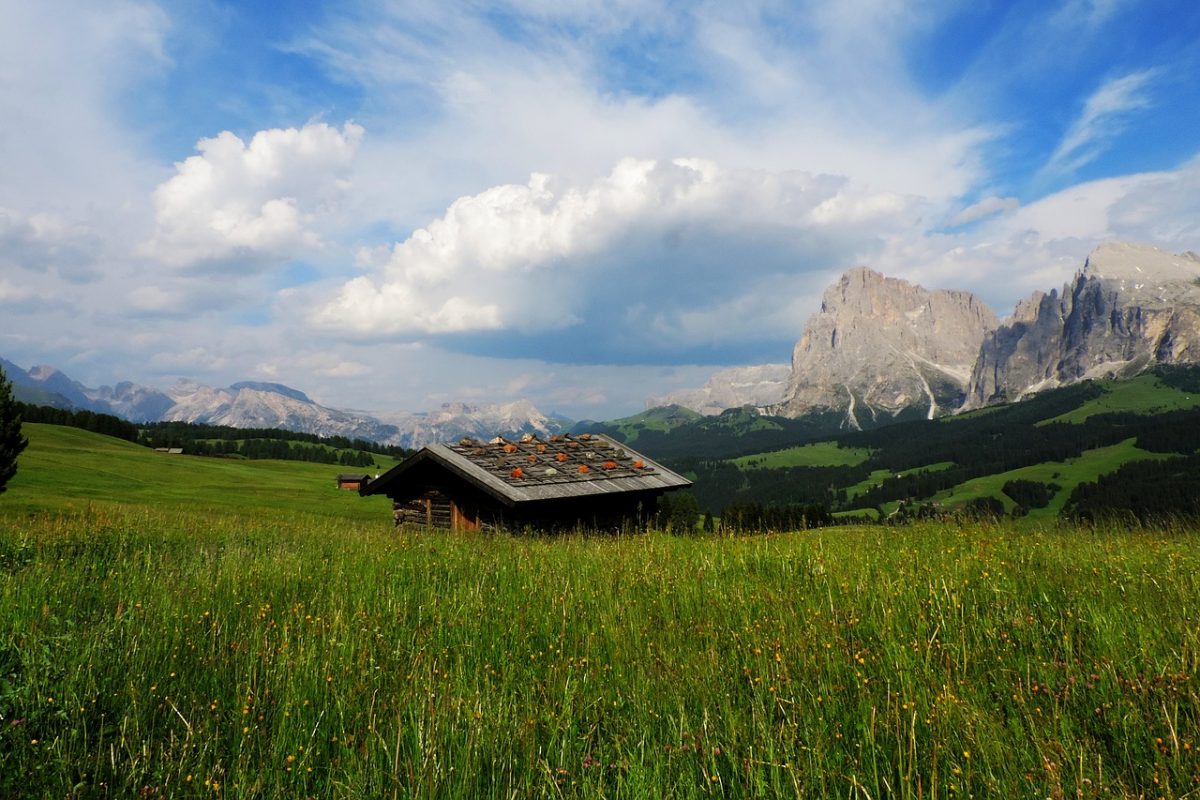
x=391, y=205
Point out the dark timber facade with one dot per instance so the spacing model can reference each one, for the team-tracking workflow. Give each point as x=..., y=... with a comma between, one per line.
x=557, y=483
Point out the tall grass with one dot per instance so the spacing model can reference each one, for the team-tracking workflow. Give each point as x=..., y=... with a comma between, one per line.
x=171, y=654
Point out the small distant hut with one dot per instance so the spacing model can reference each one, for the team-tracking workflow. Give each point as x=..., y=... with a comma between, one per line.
x=353, y=481
x=556, y=483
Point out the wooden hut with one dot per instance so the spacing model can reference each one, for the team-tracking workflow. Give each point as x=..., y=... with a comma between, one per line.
x=353, y=481
x=556, y=483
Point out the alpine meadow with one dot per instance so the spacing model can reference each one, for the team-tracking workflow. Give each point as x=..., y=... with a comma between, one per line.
x=196, y=644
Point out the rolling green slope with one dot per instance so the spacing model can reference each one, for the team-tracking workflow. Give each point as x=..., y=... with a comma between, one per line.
x=1066, y=436
x=661, y=419
x=1068, y=474
x=820, y=454
x=1145, y=394
x=68, y=469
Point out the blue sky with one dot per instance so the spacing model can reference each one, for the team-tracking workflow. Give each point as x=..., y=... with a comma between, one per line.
x=391, y=205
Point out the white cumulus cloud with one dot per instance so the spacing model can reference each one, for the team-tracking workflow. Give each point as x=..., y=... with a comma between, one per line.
x=243, y=203
x=685, y=233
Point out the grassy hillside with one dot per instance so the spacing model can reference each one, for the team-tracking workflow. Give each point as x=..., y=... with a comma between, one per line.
x=661, y=419
x=1067, y=437
x=67, y=469
x=1067, y=474
x=1145, y=394
x=820, y=454
x=191, y=627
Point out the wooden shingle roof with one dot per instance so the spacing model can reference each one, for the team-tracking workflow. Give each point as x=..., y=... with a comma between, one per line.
x=533, y=469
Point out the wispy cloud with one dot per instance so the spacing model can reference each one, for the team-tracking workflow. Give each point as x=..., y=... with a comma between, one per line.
x=986, y=207
x=1089, y=13
x=1104, y=117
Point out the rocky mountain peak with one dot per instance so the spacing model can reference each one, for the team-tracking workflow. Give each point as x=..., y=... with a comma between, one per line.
x=272, y=388
x=42, y=372
x=1129, y=261
x=1130, y=306
x=881, y=345
x=757, y=385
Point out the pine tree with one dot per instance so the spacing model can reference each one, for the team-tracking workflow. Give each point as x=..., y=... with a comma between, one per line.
x=11, y=441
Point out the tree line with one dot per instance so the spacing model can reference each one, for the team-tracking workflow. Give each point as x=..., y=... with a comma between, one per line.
x=179, y=434
x=279, y=449
x=1147, y=492
x=218, y=440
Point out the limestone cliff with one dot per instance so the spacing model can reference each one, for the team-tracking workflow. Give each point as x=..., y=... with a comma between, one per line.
x=883, y=346
x=758, y=385
x=1129, y=307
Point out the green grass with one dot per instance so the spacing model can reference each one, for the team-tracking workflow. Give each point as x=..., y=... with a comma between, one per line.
x=169, y=653
x=206, y=646
x=66, y=469
x=1145, y=394
x=1068, y=474
x=870, y=513
x=820, y=454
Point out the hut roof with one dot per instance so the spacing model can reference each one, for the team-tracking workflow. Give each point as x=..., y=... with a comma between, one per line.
x=534, y=469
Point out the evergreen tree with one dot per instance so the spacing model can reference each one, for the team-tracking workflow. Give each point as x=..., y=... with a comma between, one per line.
x=11, y=440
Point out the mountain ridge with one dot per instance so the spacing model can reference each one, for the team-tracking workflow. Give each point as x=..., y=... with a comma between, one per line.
x=258, y=404
x=879, y=350
x=1130, y=307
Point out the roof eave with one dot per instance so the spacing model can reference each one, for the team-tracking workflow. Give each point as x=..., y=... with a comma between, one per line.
x=380, y=484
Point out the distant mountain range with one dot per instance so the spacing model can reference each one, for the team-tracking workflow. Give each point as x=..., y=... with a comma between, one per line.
x=879, y=350
x=883, y=350
x=251, y=404
x=759, y=385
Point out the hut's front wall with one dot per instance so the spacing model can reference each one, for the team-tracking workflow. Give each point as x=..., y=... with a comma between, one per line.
x=435, y=498
x=612, y=512
x=443, y=508
x=439, y=509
